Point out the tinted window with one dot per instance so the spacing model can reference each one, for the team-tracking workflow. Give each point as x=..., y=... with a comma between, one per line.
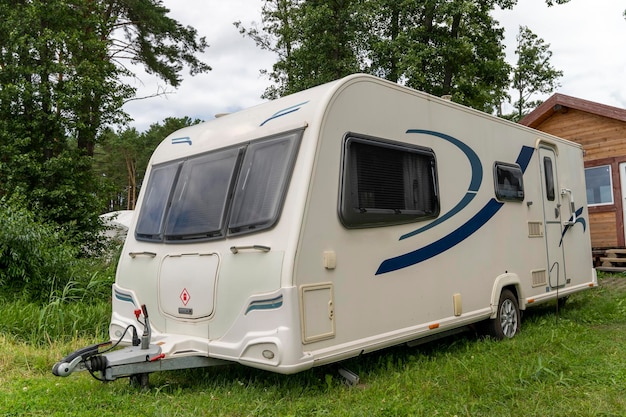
x=509, y=182
x=150, y=222
x=387, y=183
x=191, y=199
x=262, y=183
x=549, y=178
x=201, y=197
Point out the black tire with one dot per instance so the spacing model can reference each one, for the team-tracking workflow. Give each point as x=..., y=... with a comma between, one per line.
x=507, y=322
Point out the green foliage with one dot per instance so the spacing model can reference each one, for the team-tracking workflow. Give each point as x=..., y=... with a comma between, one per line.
x=153, y=39
x=60, y=320
x=442, y=47
x=35, y=260
x=63, y=81
x=122, y=159
x=533, y=73
x=315, y=41
x=327, y=46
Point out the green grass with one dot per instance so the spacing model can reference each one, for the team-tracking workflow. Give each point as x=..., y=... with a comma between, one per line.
x=570, y=365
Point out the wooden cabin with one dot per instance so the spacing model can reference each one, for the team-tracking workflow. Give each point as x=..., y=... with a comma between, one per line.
x=601, y=129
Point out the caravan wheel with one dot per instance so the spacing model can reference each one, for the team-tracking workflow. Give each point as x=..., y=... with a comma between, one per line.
x=507, y=322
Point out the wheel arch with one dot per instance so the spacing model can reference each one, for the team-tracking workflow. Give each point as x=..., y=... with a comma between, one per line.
x=508, y=281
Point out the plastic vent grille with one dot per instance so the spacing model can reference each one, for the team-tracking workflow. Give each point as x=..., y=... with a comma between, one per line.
x=539, y=278
x=535, y=229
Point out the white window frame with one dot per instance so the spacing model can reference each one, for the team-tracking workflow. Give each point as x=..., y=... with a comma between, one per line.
x=610, y=185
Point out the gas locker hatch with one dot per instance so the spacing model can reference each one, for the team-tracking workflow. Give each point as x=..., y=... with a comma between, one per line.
x=187, y=285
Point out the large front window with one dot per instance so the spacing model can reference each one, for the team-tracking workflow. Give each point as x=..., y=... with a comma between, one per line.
x=229, y=191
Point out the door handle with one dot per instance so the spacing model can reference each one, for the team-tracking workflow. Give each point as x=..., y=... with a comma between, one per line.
x=572, y=206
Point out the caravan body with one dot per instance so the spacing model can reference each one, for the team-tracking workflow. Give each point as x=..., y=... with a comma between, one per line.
x=346, y=218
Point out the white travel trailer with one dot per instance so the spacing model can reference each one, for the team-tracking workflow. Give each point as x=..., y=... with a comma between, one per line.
x=340, y=220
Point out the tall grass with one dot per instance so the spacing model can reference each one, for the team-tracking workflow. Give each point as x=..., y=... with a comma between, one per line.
x=566, y=364
x=80, y=309
x=62, y=319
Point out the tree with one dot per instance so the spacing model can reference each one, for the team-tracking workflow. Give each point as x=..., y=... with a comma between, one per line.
x=533, y=73
x=314, y=41
x=122, y=159
x=438, y=46
x=61, y=67
x=328, y=32
x=442, y=47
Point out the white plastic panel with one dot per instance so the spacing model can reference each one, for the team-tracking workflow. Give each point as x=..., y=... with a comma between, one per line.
x=187, y=285
x=318, y=312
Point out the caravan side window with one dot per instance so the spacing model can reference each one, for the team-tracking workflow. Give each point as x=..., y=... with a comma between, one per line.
x=385, y=183
x=508, y=182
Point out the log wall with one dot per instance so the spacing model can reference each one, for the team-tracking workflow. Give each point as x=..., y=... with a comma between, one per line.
x=604, y=143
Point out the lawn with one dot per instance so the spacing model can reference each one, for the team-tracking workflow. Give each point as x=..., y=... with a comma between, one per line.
x=570, y=364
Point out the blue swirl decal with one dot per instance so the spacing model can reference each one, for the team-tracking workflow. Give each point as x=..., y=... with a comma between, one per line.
x=475, y=181
x=177, y=141
x=283, y=112
x=579, y=219
x=124, y=297
x=265, y=304
x=456, y=236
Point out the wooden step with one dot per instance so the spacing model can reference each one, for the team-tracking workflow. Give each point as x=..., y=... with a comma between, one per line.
x=611, y=252
x=612, y=260
x=611, y=268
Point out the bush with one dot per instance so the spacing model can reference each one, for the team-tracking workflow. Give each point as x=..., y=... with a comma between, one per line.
x=35, y=259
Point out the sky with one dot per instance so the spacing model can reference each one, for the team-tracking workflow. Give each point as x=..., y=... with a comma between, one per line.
x=587, y=39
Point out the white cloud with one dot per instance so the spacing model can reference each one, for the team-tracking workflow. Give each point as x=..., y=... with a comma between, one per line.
x=585, y=38
x=234, y=82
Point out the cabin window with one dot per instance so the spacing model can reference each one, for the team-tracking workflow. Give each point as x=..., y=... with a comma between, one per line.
x=150, y=222
x=599, y=185
x=263, y=179
x=508, y=182
x=200, y=198
x=549, y=177
x=234, y=190
x=387, y=183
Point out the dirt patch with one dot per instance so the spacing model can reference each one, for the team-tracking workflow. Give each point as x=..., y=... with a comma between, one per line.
x=614, y=283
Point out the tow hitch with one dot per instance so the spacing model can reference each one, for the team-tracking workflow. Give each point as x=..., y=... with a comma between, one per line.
x=106, y=364
x=135, y=362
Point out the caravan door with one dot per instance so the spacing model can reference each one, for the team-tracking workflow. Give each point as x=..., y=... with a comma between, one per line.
x=552, y=216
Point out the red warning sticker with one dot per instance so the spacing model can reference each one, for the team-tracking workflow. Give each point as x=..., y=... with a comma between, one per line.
x=184, y=296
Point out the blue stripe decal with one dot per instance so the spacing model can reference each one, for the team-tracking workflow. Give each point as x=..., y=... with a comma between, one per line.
x=124, y=297
x=523, y=159
x=283, y=112
x=265, y=304
x=475, y=182
x=176, y=141
x=443, y=244
x=457, y=236
x=579, y=219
